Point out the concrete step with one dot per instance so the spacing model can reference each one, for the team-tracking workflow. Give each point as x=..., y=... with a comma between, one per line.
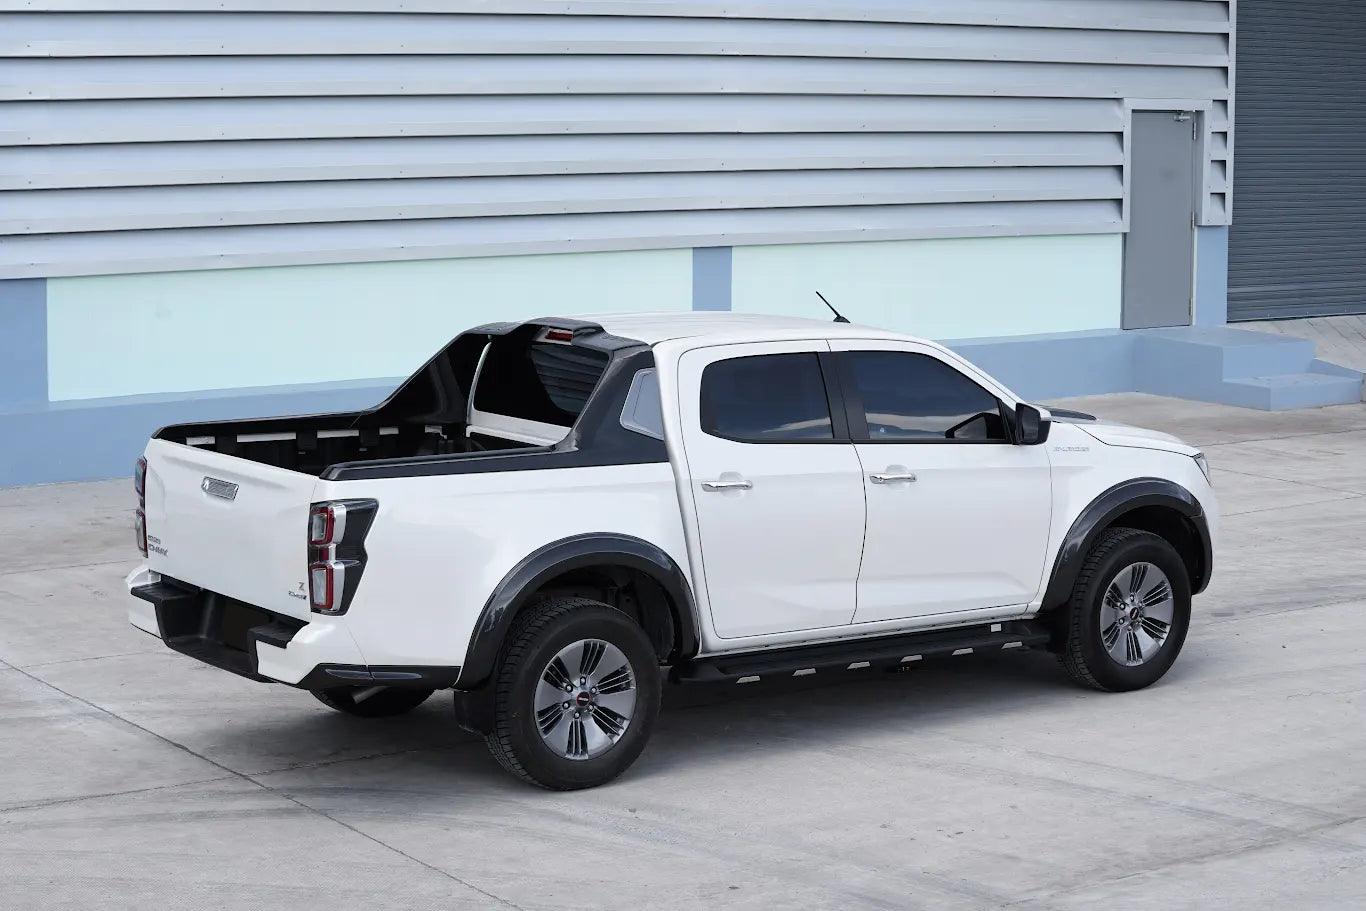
x=1208, y=364
x=1280, y=392
x=1219, y=353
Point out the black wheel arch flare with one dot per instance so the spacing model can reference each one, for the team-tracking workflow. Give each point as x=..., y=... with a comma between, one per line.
x=583, y=551
x=1102, y=512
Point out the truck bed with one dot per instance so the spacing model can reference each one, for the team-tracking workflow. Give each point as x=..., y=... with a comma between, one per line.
x=489, y=390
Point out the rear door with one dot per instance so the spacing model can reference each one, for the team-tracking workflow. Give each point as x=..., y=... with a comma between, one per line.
x=776, y=486
x=958, y=516
x=233, y=526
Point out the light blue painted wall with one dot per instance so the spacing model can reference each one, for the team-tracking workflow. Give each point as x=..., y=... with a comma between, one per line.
x=23, y=341
x=711, y=278
x=957, y=288
x=226, y=329
x=1211, y=275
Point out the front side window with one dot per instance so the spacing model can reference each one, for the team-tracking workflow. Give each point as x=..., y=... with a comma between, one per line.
x=767, y=398
x=915, y=397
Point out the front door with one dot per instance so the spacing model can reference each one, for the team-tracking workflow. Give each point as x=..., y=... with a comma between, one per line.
x=958, y=516
x=1159, y=250
x=776, y=486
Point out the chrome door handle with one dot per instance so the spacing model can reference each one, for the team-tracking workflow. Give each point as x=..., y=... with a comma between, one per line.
x=890, y=478
x=727, y=485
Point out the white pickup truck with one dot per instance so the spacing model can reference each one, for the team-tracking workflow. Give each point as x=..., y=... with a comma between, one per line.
x=551, y=516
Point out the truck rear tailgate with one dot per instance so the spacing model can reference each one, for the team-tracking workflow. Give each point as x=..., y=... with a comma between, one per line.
x=229, y=525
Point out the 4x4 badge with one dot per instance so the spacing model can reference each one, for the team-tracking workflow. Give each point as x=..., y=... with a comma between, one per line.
x=224, y=490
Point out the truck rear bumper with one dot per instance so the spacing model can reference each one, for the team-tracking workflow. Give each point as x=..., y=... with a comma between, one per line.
x=261, y=645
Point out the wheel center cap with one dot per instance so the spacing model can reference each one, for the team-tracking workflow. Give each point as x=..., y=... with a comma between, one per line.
x=583, y=699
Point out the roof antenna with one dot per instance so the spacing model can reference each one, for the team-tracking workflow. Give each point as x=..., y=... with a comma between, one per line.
x=838, y=317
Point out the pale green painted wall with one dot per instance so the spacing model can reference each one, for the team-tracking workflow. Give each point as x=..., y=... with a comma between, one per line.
x=225, y=329
x=942, y=289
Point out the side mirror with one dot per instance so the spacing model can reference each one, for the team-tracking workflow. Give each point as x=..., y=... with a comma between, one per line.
x=1031, y=425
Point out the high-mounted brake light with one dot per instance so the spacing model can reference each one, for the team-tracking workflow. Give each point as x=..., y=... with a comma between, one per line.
x=336, y=552
x=140, y=514
x=559, y=335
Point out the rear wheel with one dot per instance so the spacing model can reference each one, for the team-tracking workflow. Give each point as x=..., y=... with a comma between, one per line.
x=372, y=701
x=1129, y=612
x=576, y=694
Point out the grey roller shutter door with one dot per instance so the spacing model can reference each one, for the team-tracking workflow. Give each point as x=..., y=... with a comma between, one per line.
x=1297, y=246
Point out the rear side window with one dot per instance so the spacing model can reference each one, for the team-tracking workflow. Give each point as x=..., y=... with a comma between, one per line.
x=913, y=397
x=540, y=381
x=767, y=398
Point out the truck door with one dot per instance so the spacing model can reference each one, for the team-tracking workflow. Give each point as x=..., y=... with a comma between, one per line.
x=958, y=516
x=776, y=486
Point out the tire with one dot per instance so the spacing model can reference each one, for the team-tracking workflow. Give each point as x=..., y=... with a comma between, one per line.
x=370, y=701
x=1109, y=647
x=591, y=747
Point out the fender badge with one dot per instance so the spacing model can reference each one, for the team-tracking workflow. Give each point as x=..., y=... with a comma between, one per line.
x=224, y=490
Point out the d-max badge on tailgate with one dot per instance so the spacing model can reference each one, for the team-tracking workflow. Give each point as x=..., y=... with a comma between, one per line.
x=224, y=490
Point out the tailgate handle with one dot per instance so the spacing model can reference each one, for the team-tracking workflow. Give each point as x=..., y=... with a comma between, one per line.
x=216, y=487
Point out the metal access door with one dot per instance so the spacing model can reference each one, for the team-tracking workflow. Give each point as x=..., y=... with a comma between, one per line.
x=1159, y=250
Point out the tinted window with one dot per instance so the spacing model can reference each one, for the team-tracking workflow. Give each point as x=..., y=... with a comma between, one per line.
x=917, y=397
x=765, y=399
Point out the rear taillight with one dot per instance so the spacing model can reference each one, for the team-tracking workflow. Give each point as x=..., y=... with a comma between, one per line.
x=323, y=528
x=140, y=514
x=140, y=529
x=322, y=586
x=336, y=552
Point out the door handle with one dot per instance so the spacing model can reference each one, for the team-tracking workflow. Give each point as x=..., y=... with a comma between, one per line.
x=892, y=477
x=727, y=485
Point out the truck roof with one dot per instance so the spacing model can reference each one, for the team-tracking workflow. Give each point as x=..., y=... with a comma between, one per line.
x=725, y=327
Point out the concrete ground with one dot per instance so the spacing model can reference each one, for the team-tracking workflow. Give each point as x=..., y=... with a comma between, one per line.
x=131, y=777
x=1338, y=339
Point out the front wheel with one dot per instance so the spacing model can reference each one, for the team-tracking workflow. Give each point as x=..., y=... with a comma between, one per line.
x=576, y=694
x=1129, y=612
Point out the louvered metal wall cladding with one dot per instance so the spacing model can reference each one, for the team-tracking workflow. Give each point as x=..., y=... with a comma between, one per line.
x=1299, y=243
x=142, y=136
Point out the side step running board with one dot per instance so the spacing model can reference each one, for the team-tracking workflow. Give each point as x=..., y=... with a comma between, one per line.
x=887, y=652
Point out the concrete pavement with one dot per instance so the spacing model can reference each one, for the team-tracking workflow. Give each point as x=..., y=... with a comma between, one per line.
x=133, y=777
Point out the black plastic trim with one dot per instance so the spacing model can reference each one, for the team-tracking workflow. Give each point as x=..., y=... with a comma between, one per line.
x=191, y=620
x=577, y=552
x=167, y=591
x=886, y=652
x=576, y=326
x=1068, y=416
x=596, y=439
x=467, y=345
x=278, y=633
x=1110, y=505
x=834, y=396
x=329, y=676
